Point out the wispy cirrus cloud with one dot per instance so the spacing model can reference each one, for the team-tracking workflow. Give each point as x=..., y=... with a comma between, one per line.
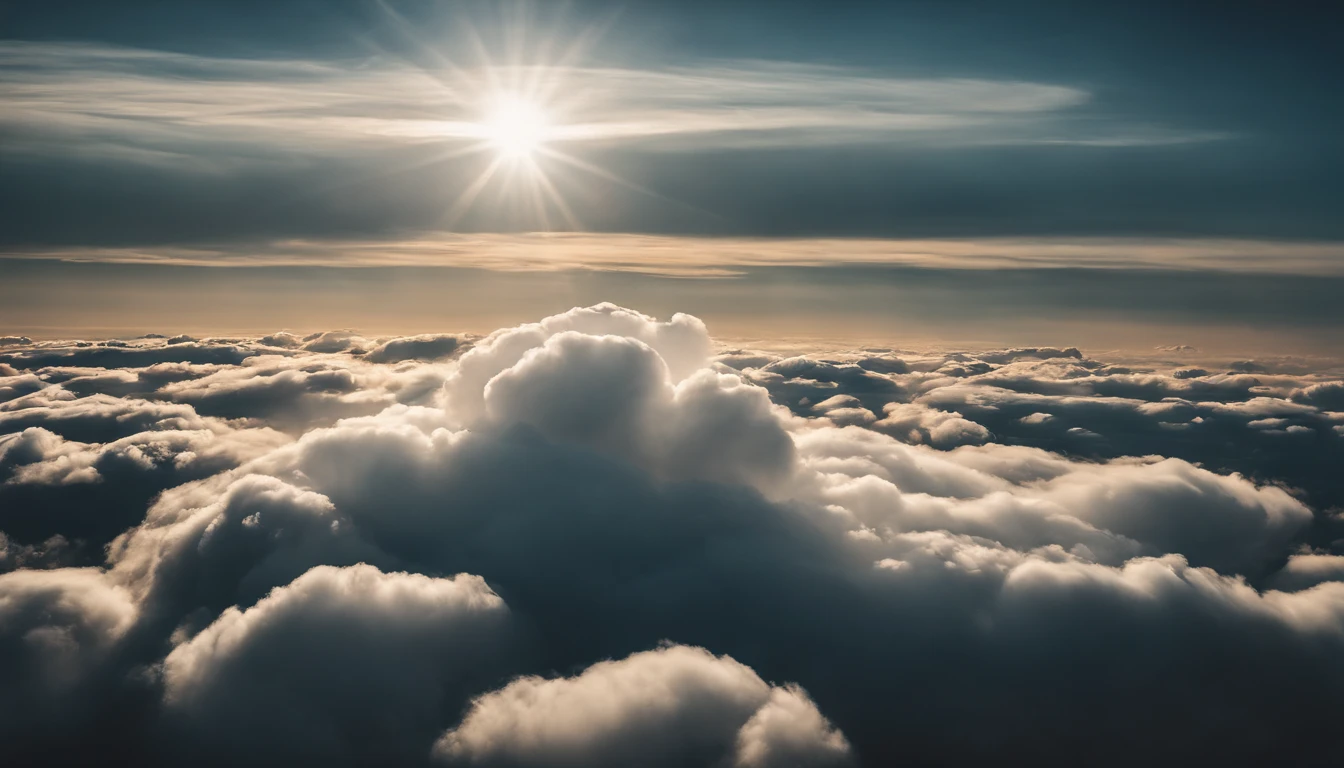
x=155, y=106
x=729, y=256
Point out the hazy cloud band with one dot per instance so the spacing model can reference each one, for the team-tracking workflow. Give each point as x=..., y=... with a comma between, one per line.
x=729, y=256
x=152, y=106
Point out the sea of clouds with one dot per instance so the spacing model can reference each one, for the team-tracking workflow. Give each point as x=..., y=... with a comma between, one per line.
x=603, y=540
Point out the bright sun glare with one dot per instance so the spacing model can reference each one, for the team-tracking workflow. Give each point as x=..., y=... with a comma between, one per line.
x=516, y=128
x=521, y=113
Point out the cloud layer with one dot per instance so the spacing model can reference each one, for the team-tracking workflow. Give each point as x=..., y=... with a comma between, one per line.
x=602, y=539
x=730, y=257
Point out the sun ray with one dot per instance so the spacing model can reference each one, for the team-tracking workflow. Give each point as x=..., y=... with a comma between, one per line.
x=570, y=218
x=461, y=79
x=603, y=173
x=539, y=207
x=469, y=195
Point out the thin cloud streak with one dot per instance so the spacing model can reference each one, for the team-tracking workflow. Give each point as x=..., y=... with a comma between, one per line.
x=705, y=257
x=145, y=106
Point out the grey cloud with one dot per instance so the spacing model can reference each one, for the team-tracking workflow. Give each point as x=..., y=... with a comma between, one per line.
x=345, y=666
x=204, y=547
x=293, y=394
x=738, y=360
x=801, y=381
x=299, y=392
x=1189, y=373
x=1210, y=419
x=884, y=364
x=88, y=493
x=1308, y=569
x=1031, y=353
x=47, y=554
x=128, y=356
x=283, y=339
x=94, y=418
x=918, y=424
x=1328, y=396
x=124, y=382
x=423, y=347
x=59, y=631
x=37, y=456
x=844, y=410
x=14, y=385
x=334, y=341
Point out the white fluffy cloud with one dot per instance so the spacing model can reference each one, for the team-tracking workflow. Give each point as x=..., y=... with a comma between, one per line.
x=672, y=706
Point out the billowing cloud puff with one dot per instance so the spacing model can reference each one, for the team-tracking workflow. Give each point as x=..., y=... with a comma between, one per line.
x=38, y=456
x=673, y=706
x=282, y=339
x=918, y=424
x=248, y=536
x=14, y=385
x=85, y=493
x=425, y=347
x=682, y=343
x=616, y=394
x=1175, y=507
x=1328, y=396
x=335, y=341
x=960, y=556
x=350, y=665
x=59, y=629
x=95, y=418
x=1307, y=569
x=64, y=617
x=279, y=391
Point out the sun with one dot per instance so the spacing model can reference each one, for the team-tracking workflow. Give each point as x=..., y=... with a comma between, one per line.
x=519, y=99
x=516, y=128
x=524, y=111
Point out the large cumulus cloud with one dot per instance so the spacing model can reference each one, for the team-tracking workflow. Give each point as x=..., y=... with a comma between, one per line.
x=592, y=541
